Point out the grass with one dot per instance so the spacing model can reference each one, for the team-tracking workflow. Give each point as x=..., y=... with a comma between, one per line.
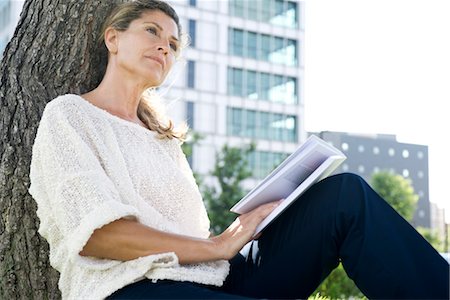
x=318, y=297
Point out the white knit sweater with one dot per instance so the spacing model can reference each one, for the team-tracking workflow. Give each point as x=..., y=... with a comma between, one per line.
x=90, y=168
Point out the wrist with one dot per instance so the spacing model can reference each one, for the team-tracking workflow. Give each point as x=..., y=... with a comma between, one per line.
x=218, y=248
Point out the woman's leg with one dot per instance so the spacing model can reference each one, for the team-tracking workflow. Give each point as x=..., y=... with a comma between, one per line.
x=340, y=217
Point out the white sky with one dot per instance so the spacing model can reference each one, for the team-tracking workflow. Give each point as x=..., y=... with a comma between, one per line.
x=382, y=67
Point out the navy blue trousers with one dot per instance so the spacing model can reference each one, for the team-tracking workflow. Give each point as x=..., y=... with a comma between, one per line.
x=338, y=219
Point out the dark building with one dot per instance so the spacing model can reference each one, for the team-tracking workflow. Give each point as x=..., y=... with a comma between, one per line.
x=367, y=154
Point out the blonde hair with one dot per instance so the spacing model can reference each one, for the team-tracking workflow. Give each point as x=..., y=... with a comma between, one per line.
x=150, y=109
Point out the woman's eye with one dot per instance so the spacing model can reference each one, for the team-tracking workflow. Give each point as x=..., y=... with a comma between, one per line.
x=152, y=30
x=174, y=47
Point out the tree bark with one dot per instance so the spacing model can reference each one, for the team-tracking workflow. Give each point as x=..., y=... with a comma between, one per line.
x=53, y=52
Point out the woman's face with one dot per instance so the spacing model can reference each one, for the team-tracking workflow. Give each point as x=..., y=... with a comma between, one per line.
x=148, y=48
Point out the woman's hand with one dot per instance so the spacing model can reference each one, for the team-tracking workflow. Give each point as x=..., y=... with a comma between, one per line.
x=241, y=231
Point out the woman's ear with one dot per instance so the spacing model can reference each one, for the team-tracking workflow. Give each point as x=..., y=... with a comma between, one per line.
x=111, y=40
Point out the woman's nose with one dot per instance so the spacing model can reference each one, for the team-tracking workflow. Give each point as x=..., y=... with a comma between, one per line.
x=164, y=47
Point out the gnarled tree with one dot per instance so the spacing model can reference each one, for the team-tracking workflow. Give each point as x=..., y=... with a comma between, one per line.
x=53, y=51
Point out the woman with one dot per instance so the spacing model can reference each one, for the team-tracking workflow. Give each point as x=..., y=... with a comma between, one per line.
x=125, y=220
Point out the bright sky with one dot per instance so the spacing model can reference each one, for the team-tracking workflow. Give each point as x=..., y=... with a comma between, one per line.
x=383, y=67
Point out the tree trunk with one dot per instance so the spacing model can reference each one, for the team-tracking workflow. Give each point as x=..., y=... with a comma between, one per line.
x=53, y=51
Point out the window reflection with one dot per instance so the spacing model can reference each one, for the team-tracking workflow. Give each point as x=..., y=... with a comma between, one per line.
x=262, y=47
x=262, y=125
x=262, y=86
x=276, y=12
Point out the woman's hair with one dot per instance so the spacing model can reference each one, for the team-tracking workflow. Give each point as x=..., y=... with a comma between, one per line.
x=150, y=111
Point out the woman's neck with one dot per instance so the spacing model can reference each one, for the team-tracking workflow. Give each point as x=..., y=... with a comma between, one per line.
x=118, y=94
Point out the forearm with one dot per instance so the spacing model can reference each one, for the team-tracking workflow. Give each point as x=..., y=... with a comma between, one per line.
x=127, y=239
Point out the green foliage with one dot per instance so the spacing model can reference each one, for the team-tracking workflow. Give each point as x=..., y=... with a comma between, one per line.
x=397, y=191
x=192, y=138
x=230, y=169
x=432, y=238
x=338, y=286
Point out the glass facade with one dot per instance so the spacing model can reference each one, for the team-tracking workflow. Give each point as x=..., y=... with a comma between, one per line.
x=190, y=114
x=262, y=86
x=261, y=125
x=192, y=32
x=276, y=12
x=262, y=47
x=191, y=74
x=261, y=163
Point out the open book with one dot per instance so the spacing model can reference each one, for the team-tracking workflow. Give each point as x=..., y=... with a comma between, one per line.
x=314, y=160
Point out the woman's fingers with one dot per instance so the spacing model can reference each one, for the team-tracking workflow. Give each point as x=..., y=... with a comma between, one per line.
x=242, y=229
x=261, y=212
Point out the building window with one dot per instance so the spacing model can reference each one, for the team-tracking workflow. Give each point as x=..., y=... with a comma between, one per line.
x=391, y=152
x=275, y=12
x=235, y=82
x=262, y=86
x=261, y=163
x=236, y=42
x=192, y=32
x=190, y=114
x=261, y=125
x=237, y=8
x=262, y=47
x=251, y=90
x=193, y=2
x=405, y=173
x=405, y=153
x=252, y=42
x=191, y=74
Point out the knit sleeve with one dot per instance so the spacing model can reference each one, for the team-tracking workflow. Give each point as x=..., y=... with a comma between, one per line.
x=73, y=192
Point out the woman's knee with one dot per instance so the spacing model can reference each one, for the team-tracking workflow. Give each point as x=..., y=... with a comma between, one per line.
x=327, y=192
x=349, y=187
x=344, y=180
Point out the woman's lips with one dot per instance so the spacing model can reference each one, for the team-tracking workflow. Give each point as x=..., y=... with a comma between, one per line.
x=157, y=59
